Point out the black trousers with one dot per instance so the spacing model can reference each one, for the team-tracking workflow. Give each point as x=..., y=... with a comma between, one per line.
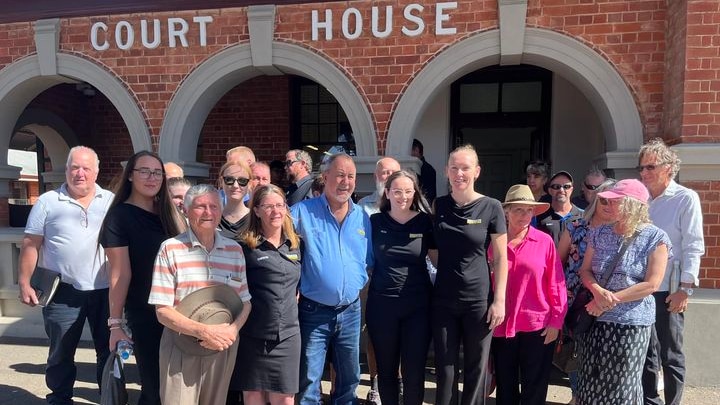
x=146, y=334
x=665, y=351
x=399, y=329
x=522, y=361
x=453, y=324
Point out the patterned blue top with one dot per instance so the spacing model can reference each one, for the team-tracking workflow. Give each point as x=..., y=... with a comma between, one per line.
x=630, y=270
x=577, y=230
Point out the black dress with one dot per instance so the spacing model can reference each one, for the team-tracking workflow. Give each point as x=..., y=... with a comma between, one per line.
x=269, y=348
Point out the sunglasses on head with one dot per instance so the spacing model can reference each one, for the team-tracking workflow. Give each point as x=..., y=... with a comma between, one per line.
x=241, y=181
x=567, y=186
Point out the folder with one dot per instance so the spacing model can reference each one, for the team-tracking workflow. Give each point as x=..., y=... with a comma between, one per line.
x=45, y=282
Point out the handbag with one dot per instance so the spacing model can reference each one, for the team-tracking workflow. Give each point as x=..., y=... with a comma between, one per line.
x=113, y=390
x=578, y=320
x=567, y=355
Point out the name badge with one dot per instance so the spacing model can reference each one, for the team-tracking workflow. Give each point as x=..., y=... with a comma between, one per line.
x=293, y=256
x=261, y=258
x=416, y=235
x=474, y=221
x=361, y=232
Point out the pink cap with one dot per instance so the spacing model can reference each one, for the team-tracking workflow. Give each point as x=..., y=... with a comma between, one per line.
x=627, y=188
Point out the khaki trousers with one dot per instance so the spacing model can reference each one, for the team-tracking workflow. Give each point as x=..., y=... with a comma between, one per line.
x=192, y=380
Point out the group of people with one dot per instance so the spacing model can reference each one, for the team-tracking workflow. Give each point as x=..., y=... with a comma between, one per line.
x=290, y=266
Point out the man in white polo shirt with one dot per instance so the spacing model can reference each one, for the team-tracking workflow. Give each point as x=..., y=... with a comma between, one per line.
x=61, y=235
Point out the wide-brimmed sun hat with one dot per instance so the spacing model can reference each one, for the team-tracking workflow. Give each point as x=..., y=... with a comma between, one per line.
x=627, y=188
x=521, y=194
x=212, y=305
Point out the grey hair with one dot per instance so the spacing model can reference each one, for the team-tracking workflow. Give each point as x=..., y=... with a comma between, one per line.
x=200, y=190
x=663, y=153
x=302, y=156
x=84, y=149
x=328, y=164
x=595, y=171
x=590, y=210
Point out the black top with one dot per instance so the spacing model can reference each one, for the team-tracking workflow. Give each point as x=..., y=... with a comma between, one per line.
x=400, y=250
x=230, y=230
x=272, y=276
x=463, y=236
x=427, y=180
x=142, y=232
x=553, y=224
x=302, y=190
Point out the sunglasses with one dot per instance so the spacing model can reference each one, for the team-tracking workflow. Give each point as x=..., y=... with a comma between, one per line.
x=651, y=168
x=567, y=186
x=592, y=187
x=608, y=201
x=289, y=163
x=241, y=181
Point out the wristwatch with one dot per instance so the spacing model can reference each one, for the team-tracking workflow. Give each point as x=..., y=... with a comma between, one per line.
x=115, y=321
x=687, y=290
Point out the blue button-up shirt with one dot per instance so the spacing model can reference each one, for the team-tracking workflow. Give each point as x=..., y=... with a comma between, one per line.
x=677, y=212
x=336, y=257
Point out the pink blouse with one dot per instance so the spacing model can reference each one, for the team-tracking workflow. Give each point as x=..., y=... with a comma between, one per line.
x=536, y=296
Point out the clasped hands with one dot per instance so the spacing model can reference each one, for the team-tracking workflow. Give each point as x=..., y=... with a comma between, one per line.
x=218, y=337
x=603, y=301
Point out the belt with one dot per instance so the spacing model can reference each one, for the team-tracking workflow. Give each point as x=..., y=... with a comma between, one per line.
x=334, y=308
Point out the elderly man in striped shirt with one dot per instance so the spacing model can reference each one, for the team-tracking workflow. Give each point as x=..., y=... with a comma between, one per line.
x=198, y=258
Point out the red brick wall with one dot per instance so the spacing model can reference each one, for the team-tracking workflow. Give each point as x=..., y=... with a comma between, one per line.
x=674, y=97
x=709, y=192
x=701, y=109
x=255, y=114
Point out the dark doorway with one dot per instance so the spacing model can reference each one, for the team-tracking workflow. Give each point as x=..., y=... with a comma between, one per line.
x=504, y=112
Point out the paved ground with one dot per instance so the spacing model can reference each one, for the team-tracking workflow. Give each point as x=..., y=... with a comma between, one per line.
x=22, y=362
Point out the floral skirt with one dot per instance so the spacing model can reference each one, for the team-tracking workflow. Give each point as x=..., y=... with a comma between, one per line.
x=613, y=357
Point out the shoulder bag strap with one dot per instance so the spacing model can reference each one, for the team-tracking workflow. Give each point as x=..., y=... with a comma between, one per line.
x=611, y=267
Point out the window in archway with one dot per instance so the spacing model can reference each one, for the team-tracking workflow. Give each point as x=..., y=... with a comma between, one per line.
x=318, y=123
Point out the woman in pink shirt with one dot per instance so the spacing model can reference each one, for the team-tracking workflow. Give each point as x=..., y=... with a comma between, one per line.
x=535, y=305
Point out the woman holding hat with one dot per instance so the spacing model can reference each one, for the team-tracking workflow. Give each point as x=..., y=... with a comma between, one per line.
x=268, y=361
x=535, y=306
x=614, y=349
x=465, y=306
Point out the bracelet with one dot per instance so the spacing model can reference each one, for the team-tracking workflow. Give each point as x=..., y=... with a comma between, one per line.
x=115, y=327
x=115, y=321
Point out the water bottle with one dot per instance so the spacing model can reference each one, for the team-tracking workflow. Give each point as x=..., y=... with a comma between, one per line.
x=124, y=349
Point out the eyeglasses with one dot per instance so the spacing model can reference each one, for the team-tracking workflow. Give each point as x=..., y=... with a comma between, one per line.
x=289, y=163
x=566, y=186
x=269, y=207
x=592, y=187
x=608, y=201
x=651, y=168
x=241, y=181
x=398, y=193
x=146, y=173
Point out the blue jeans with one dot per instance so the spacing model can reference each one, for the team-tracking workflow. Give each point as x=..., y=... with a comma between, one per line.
x=64, y=320
x=323, y=327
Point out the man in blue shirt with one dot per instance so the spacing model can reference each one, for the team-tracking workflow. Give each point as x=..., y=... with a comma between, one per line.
x=336, y=233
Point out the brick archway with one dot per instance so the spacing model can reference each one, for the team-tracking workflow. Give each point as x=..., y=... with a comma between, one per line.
x=583, y=67
x=204, y=87
x=22, y=81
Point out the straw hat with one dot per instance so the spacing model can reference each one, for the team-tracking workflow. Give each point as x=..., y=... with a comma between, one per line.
x=521, y=194
x=212, y=305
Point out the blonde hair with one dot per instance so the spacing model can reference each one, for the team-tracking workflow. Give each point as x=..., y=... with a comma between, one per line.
x=634, y=215
x=253, y=231
x=243, y=166
x=466, y=148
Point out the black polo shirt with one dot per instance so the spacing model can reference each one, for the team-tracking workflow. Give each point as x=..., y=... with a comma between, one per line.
x=400, y=249
x=272, y=276
x=553, y=224
x=463, y=234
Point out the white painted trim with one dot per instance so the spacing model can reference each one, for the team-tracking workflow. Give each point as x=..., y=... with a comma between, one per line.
x=576, y=62
x=206, y=85
x=261, y=26
x=47, y=42
x=700, y=161
x=513, y=14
